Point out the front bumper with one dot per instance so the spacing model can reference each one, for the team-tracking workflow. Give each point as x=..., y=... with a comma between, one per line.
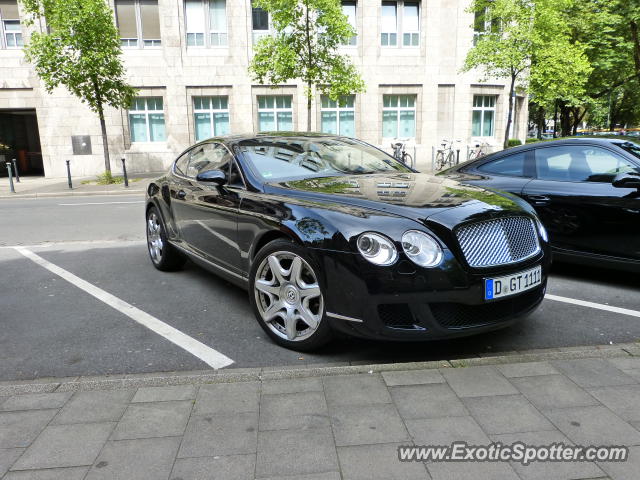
x=406, y=302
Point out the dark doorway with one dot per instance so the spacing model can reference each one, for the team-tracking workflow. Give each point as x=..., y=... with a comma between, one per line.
x=20, y=139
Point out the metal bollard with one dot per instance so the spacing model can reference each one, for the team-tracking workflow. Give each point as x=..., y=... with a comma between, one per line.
x=13, y=190
x=69, y=174
x=124, y=172
x=15, y=170
x=457, y=156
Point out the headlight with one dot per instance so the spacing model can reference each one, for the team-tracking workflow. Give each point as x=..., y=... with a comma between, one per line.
x=377, y=248
x=421, y=248
x=543, y=231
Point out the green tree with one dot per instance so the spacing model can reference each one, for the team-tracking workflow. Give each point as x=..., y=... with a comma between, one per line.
x=80, y=50
x=304, y=46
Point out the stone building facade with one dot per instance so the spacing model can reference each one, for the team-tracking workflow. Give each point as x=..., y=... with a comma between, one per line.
x=189, y=59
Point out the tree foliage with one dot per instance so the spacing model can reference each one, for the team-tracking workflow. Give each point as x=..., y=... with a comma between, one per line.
x=305, y=46
x=80, y=50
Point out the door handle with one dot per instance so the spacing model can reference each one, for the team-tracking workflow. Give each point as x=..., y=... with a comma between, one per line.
x=181, y=194
x=539, y=200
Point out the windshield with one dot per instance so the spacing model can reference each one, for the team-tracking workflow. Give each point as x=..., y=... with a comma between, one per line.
x=291, y=158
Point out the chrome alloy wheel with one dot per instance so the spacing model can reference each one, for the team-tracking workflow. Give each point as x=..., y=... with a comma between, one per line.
x=288, y=296
x=154, y=238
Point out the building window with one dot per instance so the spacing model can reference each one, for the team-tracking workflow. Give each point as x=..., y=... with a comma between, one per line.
x=483, y=24
x=349, y=9
x=146, y=120
x=211, y=116
x=398, y=116
x=406, y=27
x=10, y=29
x=206, y=16
x=338, y=117
x=483, y=117
x=275, y=113
x=260, y=23
x=138, y=23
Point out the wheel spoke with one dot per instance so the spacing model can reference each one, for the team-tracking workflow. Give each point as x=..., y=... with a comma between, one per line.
x=267, y=287
x=309, y=290
x=277, y=270
x=290, y=322
x=295, y=272
x=307, y=317
x=274, y=310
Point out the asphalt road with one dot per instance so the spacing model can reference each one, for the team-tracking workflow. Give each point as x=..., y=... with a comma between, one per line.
x=51, y=327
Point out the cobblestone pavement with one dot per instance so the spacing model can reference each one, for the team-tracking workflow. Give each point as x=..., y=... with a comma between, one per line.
x=324, y=425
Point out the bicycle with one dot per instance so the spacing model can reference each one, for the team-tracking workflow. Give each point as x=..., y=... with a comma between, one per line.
x=400, y=153
x=478, y=151
x=446, y=156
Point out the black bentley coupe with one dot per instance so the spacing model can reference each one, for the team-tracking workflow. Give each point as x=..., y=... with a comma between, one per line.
x=585, y=190
x=331, y=234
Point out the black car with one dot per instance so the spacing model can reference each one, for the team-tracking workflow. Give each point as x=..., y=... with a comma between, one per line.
x=585, y=190
x=331, y=234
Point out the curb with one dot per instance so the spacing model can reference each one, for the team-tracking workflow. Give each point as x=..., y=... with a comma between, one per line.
x=71, y=194
x=202, y=377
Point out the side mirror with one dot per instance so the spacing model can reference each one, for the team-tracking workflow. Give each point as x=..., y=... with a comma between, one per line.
x=212, y=176
x=627, y=180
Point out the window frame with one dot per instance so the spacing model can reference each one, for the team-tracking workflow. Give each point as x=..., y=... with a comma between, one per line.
x=337, y=109
x=205, y=9
x=146, y=113
x=255, y=37
x=4, y=33
x=352, y=41
x=528, y=166
x=211, y=111
x=400, y=24
x=482, y=109
x=140, y=41
x=398, y=110
x=189, y=151
x=275, y=110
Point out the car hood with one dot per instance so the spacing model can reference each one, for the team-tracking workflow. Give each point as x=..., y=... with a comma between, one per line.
x=418, y=196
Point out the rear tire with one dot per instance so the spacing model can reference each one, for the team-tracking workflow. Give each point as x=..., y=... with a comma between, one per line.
x=287, y=298
x=164, y=256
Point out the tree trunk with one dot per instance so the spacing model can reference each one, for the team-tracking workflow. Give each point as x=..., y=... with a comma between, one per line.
x=541, y=121
x=510, y=114
x=555, y=121
x=309, y=107
x=105, y=145
x=309, y=56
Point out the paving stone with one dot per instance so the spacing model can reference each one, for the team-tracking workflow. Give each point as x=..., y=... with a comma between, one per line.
x=311, y=476
x=364, y=389
x=36, y=401
x=165, y=394
x=444, y=431
x=229, y=467
x=295, y=452
x=94, y=407
x=228, y=398
x=412, y=377
x=553, y=391
x=378, y=462
x=71, y=473
x=354, y=425
x=506, y=414
x=427, y=401
x=142, y=459
x=7, y=457
x=159, y=419
x=548, y=470
x=593, y=426
x=527, y=369
x=627, y=470
x=624, y=400
x=471, y=471
x=478, y=381
x=625, y=363
x=65, y=446
x=593, y=372
x=293, y=410
x=209, y=435
x=636, y=425
x=19, y=429
x=292, y=385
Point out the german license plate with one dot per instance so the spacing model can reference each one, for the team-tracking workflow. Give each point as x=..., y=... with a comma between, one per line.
x=511, y=284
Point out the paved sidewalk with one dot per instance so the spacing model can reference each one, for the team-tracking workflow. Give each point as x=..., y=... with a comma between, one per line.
x=323, y=424
x=40, y=187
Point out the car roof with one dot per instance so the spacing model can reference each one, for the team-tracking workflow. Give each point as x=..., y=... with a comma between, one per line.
x=236, y=138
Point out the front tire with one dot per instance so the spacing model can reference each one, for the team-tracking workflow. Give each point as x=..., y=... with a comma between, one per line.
x=163, y=255
x=287, y=297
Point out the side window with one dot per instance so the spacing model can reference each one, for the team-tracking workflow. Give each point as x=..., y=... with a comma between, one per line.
x=511, y=165
x=579, y=163
x=210, y=156
x=235, y=178
x=181, y=164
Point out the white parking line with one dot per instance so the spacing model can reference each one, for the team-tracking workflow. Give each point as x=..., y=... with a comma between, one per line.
x=98, y=203
x=207, y=354
x=599, y=306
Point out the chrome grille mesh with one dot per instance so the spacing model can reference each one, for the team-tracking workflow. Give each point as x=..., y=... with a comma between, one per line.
x=498, y=242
